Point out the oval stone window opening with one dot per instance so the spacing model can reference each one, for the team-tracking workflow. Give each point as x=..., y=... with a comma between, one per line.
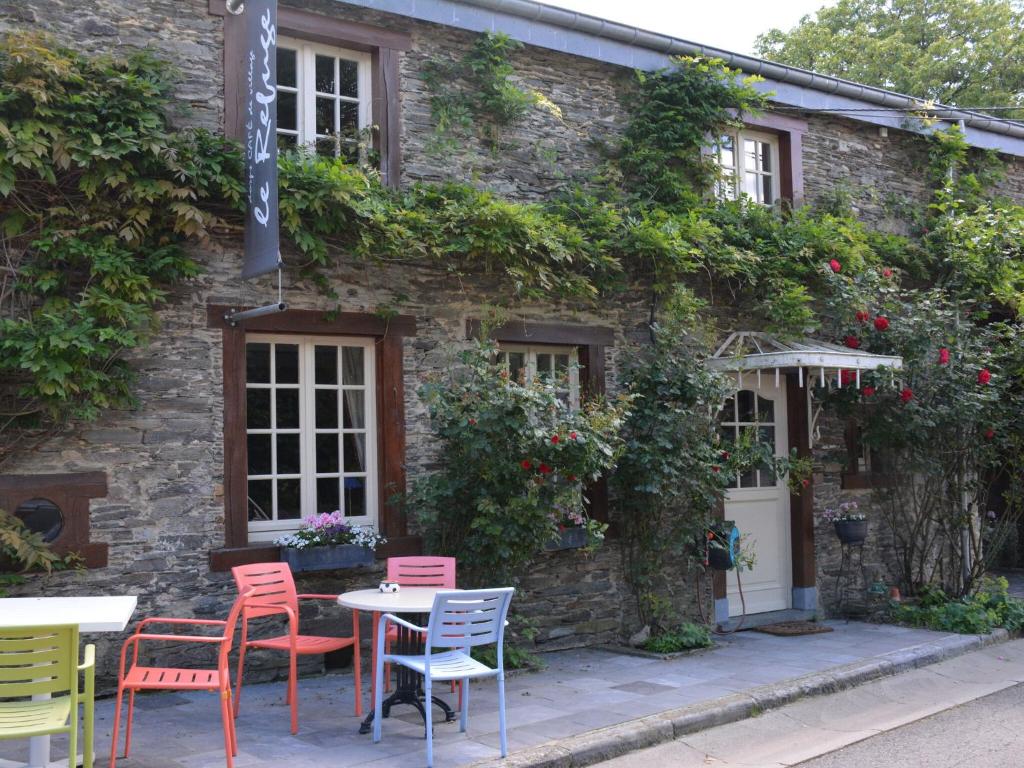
x=41, y=516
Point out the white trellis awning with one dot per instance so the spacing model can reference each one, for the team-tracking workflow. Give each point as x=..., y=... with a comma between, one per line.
x=755, y=351
x=758, y=353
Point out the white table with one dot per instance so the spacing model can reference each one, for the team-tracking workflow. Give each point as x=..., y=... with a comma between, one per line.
x=416, y=600
x=91, y=614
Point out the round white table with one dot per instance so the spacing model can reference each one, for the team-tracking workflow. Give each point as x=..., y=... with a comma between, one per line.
x=408, y=600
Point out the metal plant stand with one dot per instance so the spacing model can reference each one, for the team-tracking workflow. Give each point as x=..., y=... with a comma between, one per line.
x=851, y=572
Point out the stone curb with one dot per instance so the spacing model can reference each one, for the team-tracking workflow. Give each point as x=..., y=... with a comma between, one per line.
x=606, y=743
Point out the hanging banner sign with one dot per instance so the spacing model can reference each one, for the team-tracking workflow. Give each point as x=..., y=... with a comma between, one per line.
x=262, y=248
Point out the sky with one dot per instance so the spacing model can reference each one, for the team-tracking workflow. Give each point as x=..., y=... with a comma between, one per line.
x=729, y=24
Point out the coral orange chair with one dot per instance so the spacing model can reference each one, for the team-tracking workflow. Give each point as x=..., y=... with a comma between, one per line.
x=274, y=593
x=417, y=571
x=142, y=678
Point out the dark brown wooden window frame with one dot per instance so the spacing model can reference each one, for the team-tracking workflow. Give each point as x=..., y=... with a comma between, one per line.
x=383, y=45
x=590, y=342
x=71, y=493
x=790, y=132
x=853, y=479
x=390, y=391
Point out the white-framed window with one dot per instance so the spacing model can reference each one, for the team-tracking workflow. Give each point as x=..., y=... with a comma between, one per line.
x=557, y=364
x=749, y=165
x=323, y=97
x=747, y=410
x=311, y=430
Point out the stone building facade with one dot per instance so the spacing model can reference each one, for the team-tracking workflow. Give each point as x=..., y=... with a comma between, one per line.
x=163, y=513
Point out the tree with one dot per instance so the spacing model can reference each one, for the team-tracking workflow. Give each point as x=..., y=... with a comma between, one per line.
x=968, y=53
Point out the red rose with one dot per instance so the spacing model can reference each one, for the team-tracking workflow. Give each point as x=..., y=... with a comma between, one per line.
x=990, y=433
x=907, y=394
x=868, y=391
x=862, y=316
x=984, y=376
x=805, y=482
x=943, y=356
x=716, y=468
x=852, y=342
x=554, y=439
x=881, y=323
x=847, y=377
x=525, y=464
x=472, y=422
x=710, y=535
x=724, y=455
x=887, y=272
x=544, y=469
x=572, y=435
x=571, y=478
x=835, y=266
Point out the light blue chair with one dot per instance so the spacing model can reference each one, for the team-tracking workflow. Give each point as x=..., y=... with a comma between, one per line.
x=459, y=619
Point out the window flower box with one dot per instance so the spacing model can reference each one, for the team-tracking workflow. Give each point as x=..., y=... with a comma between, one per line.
x=568, y=538
x=327, y=558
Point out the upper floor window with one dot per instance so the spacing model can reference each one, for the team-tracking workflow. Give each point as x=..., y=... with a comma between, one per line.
x=323, y=98
x=559, y=365
x=310, y=430
x=749, y=164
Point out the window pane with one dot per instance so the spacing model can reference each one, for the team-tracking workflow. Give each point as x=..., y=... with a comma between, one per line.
x=288, y=462
x=729, y=410
x=544, y=364
x=765, y=156
x=257, y=363
x=286, y=67
x=326, y=147
x=751, y=154
x=765, y=410
x=517, y=366
x=354, y=404
x=349, y=71
x=260, y=503
x=748, y=479
x=750, y=185
x=326, y=364
x=352, y=365
x=325, y=115
x=745, y=401
x=326, y=415
x=327, y=454
x=766, y=435
x=259, y=454
x=327, y=494
x=41, y=516
x=355, y=453
x=286, y=363
x=349, y=124
x=257, y=408
x=355, y=497
x=287, y=408
x=562, y=364
x=767, y=196
x=287, y=111
x=289, y=500
x=726, y=153
x=325, y=74
x=286, y=142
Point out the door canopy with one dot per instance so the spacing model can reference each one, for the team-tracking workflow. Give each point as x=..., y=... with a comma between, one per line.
x=757, y=353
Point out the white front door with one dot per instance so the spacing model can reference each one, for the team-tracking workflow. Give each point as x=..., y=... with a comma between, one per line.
x=759, y=501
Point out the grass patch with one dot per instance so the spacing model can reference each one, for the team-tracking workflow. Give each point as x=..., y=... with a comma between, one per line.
x=686, y=637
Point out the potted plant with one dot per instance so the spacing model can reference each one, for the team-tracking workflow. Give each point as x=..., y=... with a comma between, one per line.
x=851, y=525
x=327, y=542
x=575, y=531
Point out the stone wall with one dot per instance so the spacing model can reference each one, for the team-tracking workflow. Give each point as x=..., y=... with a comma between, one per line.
x=164, y=460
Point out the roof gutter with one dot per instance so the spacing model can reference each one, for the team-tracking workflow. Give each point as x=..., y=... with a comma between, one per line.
x=672, y=46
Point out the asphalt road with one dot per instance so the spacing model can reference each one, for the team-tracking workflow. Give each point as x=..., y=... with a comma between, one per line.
x=985, y=733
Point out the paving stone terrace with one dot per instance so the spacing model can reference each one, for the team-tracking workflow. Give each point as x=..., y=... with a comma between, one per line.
x=579, y=690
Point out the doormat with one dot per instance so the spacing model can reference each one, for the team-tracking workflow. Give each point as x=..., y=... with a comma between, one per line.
x=793, y=628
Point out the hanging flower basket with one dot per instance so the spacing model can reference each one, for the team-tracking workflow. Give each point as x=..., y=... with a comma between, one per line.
x=569, y=538
x=327, y=558
x=851, y=531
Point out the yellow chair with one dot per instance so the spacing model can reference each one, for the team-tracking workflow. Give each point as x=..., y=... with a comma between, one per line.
x=42, y=663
